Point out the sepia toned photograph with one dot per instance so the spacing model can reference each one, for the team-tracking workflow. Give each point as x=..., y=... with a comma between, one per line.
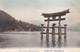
x=39, y=23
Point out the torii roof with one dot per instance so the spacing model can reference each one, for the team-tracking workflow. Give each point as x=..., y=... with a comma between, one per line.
x=62, y=13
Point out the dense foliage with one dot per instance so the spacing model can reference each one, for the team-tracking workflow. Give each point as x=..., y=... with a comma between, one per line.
x=8, y=23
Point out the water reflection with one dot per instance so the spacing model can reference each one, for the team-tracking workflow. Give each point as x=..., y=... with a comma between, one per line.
x=54, y=42
x=59, y=41
x=41, y=41
x=47, y=40
x=65, y=42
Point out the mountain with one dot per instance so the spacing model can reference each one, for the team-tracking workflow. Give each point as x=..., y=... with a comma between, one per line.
x=6, y=21
x=75, y=27
x=9, y=23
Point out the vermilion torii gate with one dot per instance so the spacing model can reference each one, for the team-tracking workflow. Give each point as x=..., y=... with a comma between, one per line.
x=54, y=17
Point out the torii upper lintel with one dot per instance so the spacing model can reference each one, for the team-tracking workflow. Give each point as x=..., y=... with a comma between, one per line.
x=57, y=14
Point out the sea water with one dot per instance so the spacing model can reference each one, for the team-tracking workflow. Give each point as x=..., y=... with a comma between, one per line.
x=24, y=39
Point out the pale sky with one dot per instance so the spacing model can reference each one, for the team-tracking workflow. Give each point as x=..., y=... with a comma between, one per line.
x=31, y=10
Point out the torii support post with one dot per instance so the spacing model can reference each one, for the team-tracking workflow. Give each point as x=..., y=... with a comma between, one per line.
x=59, y=29
x=53, y=30
x=53, y=35
x=65, y=28
x=42, y=29
x=59, y=32
x=47, y=31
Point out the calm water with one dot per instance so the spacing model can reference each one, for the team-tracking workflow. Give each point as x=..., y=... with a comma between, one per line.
x=32, y=39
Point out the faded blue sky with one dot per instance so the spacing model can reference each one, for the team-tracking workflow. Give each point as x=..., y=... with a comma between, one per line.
x=34, y=3
x=30, y=10
x=39, y=3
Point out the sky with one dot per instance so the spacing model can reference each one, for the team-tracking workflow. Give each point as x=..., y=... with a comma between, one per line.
x=31, y=10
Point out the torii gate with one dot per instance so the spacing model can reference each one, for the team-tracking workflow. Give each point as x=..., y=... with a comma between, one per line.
x=52, y=17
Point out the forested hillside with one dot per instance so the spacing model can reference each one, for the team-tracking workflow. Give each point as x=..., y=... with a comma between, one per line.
x=9, y=23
